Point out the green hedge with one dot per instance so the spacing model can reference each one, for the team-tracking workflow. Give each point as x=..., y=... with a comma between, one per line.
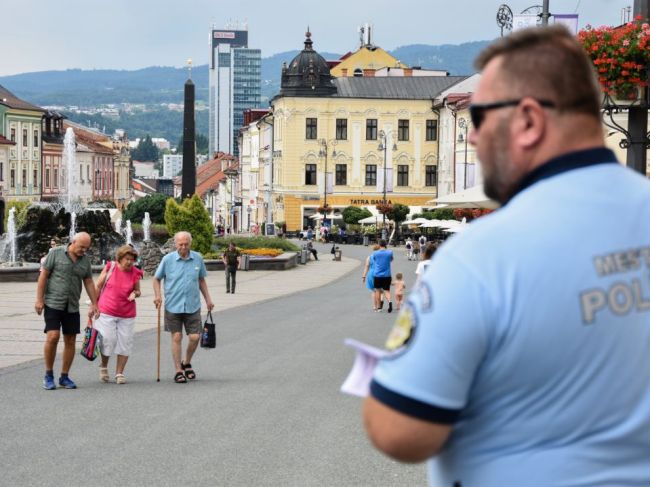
x=258, y=242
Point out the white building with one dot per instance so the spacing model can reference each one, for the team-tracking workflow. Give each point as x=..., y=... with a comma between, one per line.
x=235, y=84
x=172, y=165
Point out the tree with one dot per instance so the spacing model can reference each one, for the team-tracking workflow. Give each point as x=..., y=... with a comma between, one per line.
x=202, y=144
x=153, y=204
x=146, y=150
x=398, y=214
x=352, y=214
x=190, y=216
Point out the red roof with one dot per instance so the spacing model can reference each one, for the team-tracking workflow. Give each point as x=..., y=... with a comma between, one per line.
x=12, y=101
x=210, y=174
x=5, y=141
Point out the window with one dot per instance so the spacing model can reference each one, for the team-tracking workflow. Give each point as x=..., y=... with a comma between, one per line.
x=341, y=174
x=432, y=130
x=311, y=131
x=2, y=171
x=35, y=138
x=403, y=130
x=88, y=172
x=310, y=173
x=24, y=137
x=47, y=177
x=35, y=178
x=81, y=173
x=55, y=179
x=13, y=178
x=341, y=129
x=402, y=175
x=371, y=174
x=24, y=180
x=371, y=129
x=431, y=175
x=13, y=135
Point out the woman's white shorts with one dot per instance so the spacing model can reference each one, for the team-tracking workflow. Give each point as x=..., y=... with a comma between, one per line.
x=117, y=334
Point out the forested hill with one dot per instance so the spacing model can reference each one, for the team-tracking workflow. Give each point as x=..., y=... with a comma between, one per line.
x=158, y=85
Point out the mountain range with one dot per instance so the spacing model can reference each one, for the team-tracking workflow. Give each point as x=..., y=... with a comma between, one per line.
x=157, y=85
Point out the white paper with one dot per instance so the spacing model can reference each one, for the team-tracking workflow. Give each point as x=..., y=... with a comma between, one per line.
x=358, y=380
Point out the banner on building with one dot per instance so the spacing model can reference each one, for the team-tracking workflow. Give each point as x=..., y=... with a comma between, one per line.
x=523, y=21
x=389, y=180
x=570, y=21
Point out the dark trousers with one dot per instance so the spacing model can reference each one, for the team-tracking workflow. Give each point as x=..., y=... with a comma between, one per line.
x=231, y=277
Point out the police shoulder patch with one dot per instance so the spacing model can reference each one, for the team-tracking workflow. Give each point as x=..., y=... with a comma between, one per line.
x=403, y=329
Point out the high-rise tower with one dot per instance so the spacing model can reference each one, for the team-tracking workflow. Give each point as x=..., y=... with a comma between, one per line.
x=235, y=85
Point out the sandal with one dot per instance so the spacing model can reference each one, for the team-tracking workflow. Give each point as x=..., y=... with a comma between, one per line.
x=103, y=374
x=120, y=379
x=189, y=373
x=179, y=378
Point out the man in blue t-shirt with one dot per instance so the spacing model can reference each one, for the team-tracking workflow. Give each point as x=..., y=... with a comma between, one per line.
x=522, y=356
x=382, y=259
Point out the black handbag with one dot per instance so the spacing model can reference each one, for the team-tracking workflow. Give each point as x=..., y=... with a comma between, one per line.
x=209, y=335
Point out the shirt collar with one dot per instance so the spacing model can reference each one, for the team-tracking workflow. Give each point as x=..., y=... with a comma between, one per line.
x=567, y=162
x=178, y=256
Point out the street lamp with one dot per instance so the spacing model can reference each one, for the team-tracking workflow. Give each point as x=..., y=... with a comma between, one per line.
x=383, y=146
x=231, y=173
x=324, y=143
x=462, y=123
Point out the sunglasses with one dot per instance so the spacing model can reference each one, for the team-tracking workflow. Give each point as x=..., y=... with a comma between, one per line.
x=477, y=110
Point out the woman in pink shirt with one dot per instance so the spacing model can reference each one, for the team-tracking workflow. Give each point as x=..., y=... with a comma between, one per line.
x=117, y=287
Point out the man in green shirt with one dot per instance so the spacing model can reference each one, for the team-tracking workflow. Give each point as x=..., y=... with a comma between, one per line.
x=231, y=259
x=57, y=295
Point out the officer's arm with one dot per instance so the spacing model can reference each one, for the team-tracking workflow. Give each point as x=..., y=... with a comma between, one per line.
x=402, y=437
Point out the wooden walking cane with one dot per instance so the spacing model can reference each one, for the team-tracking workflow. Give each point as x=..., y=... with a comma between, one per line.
x=158, y=345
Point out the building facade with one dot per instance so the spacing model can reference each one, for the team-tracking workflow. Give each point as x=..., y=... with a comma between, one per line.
x=172, y=165
x=234, y=86
x=20, y=123
x=352, y=140
x=54, y=178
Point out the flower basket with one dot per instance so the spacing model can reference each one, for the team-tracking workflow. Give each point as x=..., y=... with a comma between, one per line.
x=384, y=207
x=324, y=209
x=621, y=56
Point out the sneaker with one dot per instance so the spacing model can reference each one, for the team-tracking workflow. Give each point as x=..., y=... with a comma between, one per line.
x=390, y=306
x=381, y=305
x=67, y=383
x=48, y=383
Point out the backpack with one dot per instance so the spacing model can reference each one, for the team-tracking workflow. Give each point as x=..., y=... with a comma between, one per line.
x=408, y=245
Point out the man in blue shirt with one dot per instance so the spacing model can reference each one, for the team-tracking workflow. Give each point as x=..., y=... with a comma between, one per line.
x=184, y=274
x=382, y=260
x=522, y=357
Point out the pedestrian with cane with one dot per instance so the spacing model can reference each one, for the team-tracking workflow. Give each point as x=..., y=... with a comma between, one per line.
x=184, y=274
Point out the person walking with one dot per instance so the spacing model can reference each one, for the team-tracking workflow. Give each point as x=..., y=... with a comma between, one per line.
x=184, y=274
x=422, y=241
x=368, y=277
x=427, y=253
x=409, y=248
x=231, y=261
x=57, y=296
x=118, y=286
x=382, y=259
x=529, y=363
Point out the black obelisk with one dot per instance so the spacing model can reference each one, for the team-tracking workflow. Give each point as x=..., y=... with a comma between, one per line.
x=189, y=158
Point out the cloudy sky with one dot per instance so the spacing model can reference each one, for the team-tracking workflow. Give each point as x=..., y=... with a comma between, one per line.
x=39, y=35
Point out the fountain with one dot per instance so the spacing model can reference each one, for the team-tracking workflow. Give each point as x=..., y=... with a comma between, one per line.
x=118, y=225
x=11, y=229
x=128, y=233
x=73, y=225
x=146, y=225
x=71, y=199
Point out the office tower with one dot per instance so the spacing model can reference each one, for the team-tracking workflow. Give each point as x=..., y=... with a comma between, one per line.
x=235, y=85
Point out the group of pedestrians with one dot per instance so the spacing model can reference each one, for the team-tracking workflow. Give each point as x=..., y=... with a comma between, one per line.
x=113, y=303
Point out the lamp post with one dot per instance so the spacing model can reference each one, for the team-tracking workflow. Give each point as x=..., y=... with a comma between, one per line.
x=462, y=123
x=324, y=144
x=383, y=146
x=231, y=173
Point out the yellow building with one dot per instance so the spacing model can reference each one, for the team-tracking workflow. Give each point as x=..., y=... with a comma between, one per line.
x=356, y=130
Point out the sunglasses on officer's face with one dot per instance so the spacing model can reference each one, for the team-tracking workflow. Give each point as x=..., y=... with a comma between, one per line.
x=477, y=110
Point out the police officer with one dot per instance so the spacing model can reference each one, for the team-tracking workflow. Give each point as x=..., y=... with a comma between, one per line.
x=522, y=357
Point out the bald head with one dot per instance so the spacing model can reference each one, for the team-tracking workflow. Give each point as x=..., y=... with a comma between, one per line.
x=80, y=244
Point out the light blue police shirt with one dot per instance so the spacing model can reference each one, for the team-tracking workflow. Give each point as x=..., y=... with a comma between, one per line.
x=532, y=336
x=182, y=293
